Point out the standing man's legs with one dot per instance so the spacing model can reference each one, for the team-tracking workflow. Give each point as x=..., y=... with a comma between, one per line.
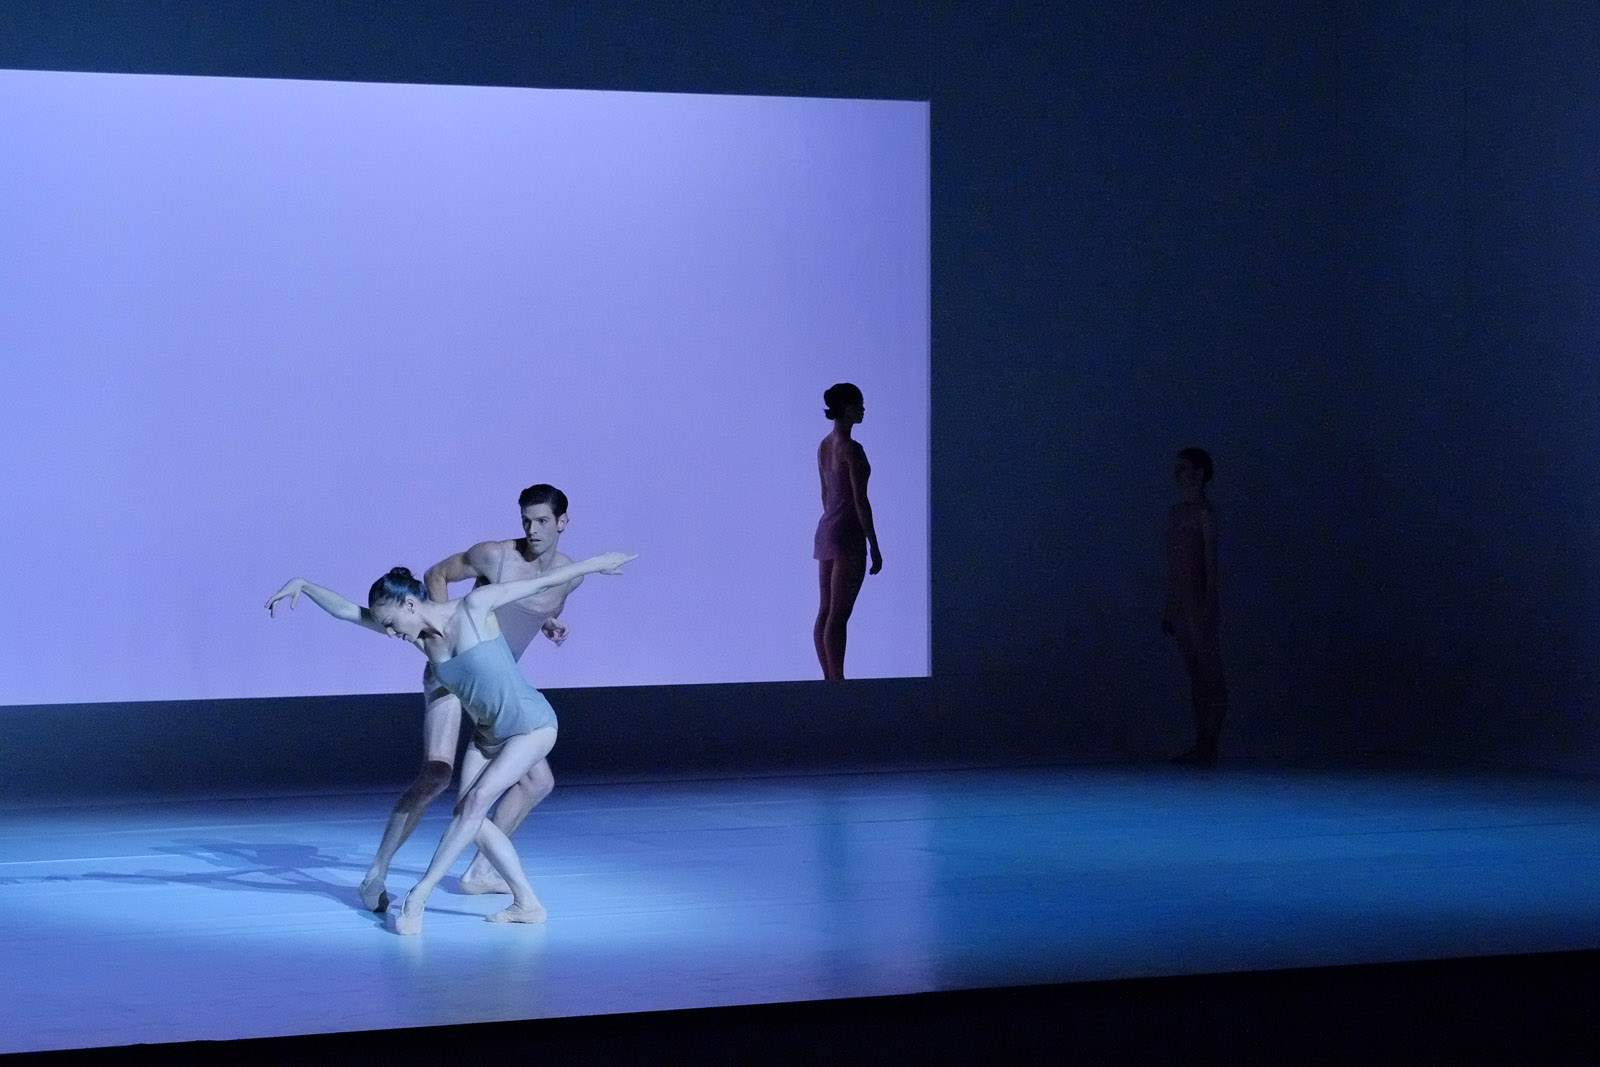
x=441, y=728
x=1213, y=690
x=1208, y=691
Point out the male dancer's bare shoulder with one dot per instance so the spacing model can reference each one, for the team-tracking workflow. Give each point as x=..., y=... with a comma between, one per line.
x=480, y=563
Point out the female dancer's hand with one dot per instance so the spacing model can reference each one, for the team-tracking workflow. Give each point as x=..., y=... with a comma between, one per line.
x=291, y=589
x=611, y=562
x=877, y=560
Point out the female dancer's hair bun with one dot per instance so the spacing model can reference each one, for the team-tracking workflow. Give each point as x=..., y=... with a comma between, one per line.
x=840, y=396
x=398, y=584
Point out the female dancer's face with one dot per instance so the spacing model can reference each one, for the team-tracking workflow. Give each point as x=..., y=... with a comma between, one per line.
x=398, y=618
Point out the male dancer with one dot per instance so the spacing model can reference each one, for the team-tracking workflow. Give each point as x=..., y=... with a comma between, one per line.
x=544, y=516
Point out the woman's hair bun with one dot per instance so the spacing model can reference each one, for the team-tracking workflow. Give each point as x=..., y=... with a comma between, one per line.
x=398, y=584
x=839, y=396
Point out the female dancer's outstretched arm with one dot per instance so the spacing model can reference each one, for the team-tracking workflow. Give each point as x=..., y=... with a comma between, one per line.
x=487, y=598
x=334, y=604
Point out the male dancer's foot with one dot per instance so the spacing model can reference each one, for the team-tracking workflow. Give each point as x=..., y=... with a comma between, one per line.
x=1198, y=756
x=482, y=878
x=374, y=897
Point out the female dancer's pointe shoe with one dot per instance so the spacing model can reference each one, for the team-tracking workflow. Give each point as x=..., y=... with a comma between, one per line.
x=407, y=923
x=518, y=914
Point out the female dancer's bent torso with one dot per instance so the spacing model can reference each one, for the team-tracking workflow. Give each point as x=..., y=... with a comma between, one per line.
x=494, y=694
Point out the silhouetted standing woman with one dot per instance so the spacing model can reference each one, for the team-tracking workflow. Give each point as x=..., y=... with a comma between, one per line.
x=845, y=533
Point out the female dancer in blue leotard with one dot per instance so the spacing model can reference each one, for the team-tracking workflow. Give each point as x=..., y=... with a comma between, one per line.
x=514, y=727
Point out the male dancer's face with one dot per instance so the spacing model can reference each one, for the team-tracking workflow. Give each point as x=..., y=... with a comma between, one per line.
x=542, y=527
x=1190, y=478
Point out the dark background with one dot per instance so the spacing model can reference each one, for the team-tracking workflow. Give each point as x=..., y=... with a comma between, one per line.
x=1349, y=248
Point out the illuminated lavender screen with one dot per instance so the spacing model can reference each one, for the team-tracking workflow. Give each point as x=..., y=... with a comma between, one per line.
x=254, y=329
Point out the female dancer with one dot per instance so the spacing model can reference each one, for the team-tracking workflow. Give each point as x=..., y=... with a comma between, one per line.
x=845, y=532
x=514, y=726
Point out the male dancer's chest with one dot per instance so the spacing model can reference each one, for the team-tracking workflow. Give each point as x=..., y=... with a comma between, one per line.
x=521, y=620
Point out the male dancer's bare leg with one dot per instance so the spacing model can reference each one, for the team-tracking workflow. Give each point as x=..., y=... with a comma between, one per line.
x=514, y=807
x=516, y=759
x=441, y=727
x=1208, y=690
x=1214, y=695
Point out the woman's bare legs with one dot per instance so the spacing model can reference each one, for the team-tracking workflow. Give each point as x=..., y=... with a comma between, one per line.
x=514, y=807
x=516, y=759
x=441, y=726
x=840, y=581
x=825, y=580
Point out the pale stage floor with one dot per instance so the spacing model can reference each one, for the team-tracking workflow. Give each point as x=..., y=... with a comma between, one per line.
x=220, y=919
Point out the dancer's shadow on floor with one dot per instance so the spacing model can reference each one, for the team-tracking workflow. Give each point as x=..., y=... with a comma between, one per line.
x=275, y=867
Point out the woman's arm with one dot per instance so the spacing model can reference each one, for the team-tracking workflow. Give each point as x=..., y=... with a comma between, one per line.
x=487, y=598
x=822, y=479
x=858, y=489
x=326, y=599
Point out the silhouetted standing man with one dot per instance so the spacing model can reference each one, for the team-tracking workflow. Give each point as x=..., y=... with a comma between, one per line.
x=1192, y=603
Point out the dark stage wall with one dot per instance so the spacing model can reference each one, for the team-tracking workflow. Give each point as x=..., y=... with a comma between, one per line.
x=70, y=754
x=1348, y=248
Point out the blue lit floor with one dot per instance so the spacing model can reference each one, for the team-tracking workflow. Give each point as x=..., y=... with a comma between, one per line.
x=223, y=919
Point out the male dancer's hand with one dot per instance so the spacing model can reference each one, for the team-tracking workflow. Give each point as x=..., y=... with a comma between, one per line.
x=555, y=630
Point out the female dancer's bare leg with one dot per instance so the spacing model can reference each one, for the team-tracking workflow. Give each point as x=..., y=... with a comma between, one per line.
x=825, y=577
x=516, y=759
x=520, y=799
x=841, y=580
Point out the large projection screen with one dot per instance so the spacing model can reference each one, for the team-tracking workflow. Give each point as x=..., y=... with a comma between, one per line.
x=252, y=329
